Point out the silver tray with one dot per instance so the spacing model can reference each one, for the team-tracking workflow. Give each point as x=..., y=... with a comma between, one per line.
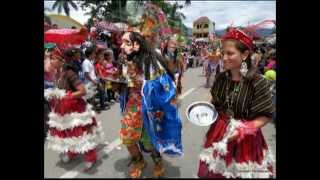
x=201, y=113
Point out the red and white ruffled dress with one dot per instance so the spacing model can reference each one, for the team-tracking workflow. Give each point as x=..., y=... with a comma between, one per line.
x=73, y=128
x=245, y=157
x=249, y=158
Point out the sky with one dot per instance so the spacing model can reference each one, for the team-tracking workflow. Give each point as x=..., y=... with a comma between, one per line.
x=77, y=15
x=223, y=13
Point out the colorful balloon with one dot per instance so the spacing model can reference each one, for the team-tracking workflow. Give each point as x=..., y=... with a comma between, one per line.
x=270, y=75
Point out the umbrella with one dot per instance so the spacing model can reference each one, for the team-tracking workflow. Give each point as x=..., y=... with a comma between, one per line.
x=104, y=25
x=66, y=36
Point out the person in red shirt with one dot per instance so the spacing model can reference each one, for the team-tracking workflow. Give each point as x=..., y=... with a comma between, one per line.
x=111, y=71
x=271, y=63
x=101, y=73
x=100, y=68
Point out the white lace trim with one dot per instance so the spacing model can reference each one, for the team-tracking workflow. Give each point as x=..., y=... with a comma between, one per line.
x=234, y=170
x=60, y=93
x=75, y=144
x=54, y=93
x=71, y=120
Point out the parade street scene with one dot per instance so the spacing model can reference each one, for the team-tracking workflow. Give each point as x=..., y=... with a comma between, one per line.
x=159, y=89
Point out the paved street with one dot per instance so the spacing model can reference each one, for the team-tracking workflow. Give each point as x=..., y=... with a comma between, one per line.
x=114, y=163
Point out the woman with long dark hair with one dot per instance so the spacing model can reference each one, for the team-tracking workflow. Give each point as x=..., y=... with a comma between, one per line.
x=150, y=121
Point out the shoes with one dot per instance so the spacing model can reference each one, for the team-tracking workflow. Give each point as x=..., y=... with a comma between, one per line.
x=109, y=103
x=64, y=158
x=88, y=166
x=158, y=170
x=137, y=168
x=105, y=107
x=97, y=110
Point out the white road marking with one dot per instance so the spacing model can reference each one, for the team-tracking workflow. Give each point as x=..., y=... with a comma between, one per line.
x=114, y=144
x=187, y=93
x=106, y=142
x=69, y=174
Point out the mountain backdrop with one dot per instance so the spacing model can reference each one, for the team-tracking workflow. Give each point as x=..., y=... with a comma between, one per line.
x=264, y=32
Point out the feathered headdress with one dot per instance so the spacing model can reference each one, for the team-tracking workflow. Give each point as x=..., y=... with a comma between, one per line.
x=154, y=21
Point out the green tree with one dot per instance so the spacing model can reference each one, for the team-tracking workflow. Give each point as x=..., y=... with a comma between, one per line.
x=115, y=10
x=175, y=17
x=64, y=5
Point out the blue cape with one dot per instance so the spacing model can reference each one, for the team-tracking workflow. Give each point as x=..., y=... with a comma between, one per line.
x=156, y=96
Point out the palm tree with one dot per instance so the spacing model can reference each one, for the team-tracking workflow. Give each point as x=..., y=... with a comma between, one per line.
x=65, y=5
x=174, y=17
x=115, y=10
x=93, y=12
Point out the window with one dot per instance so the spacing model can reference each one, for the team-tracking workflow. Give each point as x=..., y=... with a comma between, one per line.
x=206, y=26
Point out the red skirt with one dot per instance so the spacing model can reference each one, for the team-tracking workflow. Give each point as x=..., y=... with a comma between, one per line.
x=66, y=106
x=73, y=127
x=249, y=158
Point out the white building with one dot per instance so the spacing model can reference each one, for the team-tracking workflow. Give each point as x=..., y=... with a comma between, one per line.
x=202, y=28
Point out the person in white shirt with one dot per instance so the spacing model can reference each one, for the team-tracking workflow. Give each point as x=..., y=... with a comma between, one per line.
x=88, y=69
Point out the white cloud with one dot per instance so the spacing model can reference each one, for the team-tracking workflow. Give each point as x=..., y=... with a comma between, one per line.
x=223, y=13
x=77, y=15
